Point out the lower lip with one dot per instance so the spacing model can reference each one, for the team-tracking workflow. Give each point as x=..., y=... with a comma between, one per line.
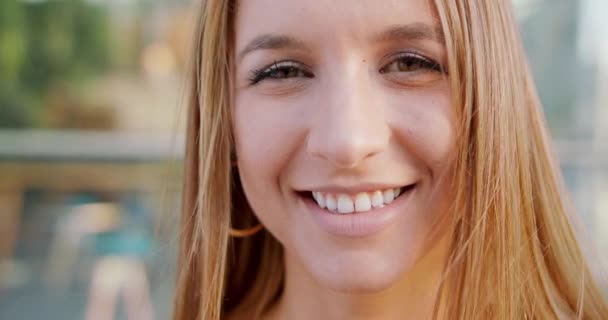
x=358, y=224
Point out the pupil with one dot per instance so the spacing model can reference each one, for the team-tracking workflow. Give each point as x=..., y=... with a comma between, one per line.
x=408, y=64
x=284, y=72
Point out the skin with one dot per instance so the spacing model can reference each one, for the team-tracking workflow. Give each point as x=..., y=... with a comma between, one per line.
x=350, y=114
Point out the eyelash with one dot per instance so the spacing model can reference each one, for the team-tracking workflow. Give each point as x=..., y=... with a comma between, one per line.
x=284, y=66
x=266, y=72
x=425, y=63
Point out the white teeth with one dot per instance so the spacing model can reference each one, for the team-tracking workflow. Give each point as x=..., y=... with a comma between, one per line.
x=389, y=196
x=320, y=200
x=397, y=192
x=345, y=204
x=377, y=199
x=363, y=202
x=330, y=202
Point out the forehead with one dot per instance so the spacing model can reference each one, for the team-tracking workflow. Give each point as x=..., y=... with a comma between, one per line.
x=315, y=20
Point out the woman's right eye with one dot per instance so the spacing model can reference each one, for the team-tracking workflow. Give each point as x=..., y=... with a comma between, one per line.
x=279, y=71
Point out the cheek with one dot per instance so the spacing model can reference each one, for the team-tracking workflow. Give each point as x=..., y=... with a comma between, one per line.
x=264, y=133
x=424, y=124
x=424, y=127
x=267, y=136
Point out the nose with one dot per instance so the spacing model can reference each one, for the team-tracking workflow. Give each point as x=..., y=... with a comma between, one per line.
x=350, y=126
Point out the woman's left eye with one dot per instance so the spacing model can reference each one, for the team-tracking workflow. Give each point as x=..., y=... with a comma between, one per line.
x=413, y=63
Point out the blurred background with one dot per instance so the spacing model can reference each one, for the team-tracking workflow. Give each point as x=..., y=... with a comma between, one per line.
x=91, y=141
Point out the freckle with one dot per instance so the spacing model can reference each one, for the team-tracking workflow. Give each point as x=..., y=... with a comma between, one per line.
x=364, y=61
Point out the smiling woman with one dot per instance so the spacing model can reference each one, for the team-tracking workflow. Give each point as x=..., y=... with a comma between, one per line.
x=371, y=160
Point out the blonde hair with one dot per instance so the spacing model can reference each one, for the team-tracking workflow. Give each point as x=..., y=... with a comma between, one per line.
x=514, y=254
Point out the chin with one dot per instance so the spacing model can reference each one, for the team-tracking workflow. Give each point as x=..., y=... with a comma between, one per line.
x=365, y=275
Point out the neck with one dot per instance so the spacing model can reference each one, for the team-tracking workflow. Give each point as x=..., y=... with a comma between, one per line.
x=413, y=296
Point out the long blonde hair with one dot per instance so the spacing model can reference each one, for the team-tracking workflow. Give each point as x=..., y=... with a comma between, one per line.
x=514, y=254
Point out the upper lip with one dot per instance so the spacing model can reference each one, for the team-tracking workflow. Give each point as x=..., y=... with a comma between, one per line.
x=352, y=189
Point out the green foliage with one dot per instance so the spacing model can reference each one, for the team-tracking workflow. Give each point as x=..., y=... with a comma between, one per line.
x=47, y=46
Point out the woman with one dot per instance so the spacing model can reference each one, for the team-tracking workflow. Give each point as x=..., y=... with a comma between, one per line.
x=372, y=160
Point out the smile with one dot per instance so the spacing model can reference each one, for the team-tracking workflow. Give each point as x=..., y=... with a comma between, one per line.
x=357, y=214
x=342, y=203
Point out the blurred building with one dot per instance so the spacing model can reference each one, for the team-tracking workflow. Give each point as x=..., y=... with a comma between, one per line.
x=74, y=123
x=41, y=172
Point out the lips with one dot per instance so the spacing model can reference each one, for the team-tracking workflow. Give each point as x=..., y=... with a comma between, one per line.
x=357, y=214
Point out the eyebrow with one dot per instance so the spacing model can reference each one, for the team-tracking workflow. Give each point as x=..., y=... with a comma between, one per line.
x=414, y=31
x=271, y=42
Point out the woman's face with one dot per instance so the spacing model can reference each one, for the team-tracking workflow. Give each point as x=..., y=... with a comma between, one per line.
x=344, y=125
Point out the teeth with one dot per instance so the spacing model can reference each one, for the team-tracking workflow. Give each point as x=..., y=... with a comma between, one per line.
x=362, y=202
x=320, y=200
x=345, y=204
x=377, y=199
x=330, y=202
x=389, y=196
